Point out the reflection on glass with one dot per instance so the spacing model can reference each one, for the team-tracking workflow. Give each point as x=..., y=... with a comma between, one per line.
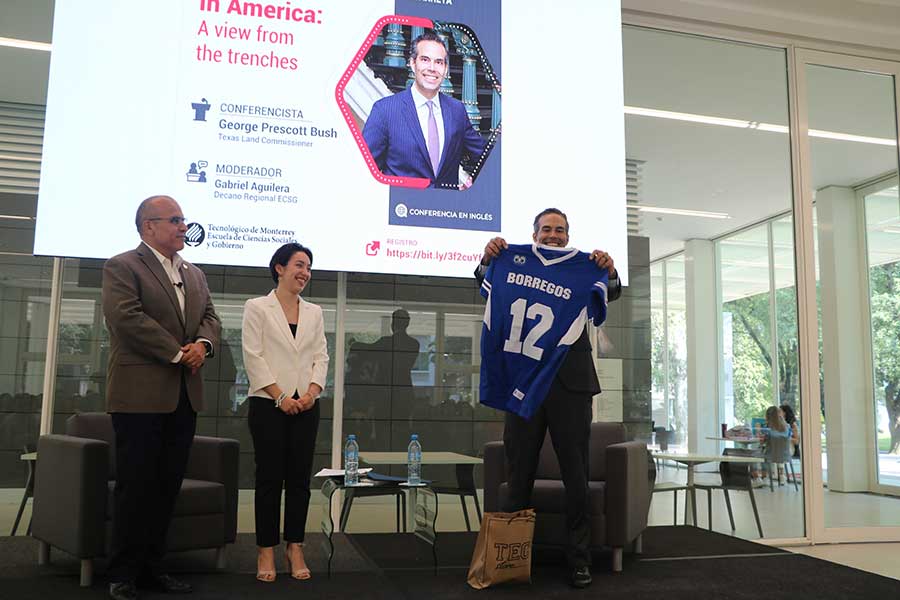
x=24, y=319
x=746, y=323
x=413, y=368
x=786, y=314
x=676, y=315
x=669, y=353
x=659, y=399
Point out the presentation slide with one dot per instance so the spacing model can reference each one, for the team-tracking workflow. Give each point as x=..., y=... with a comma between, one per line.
x=390, y=136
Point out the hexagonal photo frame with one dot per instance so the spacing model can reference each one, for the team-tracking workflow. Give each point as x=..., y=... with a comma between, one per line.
x=375, y=98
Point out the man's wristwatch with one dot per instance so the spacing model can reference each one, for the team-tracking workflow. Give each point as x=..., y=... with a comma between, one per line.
x=208, y=347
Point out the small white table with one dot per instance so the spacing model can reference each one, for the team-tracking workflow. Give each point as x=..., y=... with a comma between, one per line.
x=428, y=458
x=740, y=442
x=691, y=461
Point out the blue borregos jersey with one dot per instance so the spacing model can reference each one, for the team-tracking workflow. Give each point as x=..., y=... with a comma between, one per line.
x=539, y=299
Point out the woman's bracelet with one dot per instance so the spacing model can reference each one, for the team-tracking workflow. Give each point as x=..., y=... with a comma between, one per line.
x=280, y=399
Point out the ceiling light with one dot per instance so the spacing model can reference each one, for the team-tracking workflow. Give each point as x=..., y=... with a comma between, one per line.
x=705, y=119
x=849, y=137
x=757, y=125
x=684, y=212
x=891, y=229
x=16, y=217
x=25, y=44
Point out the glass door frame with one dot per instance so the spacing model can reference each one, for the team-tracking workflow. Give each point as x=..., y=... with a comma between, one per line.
x=804, y=232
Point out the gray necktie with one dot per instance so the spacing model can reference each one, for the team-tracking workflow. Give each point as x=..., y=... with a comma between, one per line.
x=433, y=139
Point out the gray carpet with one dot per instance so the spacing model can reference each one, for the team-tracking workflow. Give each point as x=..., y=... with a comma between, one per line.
x=18, y=557
x=679, y=563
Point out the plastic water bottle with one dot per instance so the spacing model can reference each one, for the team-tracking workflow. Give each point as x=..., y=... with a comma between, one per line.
x=414, y=461
x=351, y=461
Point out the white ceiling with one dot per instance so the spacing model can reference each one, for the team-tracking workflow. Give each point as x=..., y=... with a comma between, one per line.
x=870, y=23
x=742, y=172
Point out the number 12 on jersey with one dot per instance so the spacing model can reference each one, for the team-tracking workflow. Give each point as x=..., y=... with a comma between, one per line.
x=520, y=310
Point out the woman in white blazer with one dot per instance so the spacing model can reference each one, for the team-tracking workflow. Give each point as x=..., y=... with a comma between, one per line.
x=286, y=358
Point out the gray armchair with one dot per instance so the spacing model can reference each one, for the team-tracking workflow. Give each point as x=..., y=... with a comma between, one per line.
x=74, y=485
x=619, y=488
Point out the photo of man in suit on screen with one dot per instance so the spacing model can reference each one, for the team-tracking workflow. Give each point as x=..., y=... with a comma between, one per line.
x=420, y=132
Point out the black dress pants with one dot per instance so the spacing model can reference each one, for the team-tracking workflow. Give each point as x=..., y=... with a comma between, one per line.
x=151, y=457
x=568, y=417
x=283, y=448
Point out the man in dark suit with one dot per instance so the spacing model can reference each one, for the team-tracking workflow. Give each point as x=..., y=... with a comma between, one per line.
x=566, y=412
x=162, y=327
x=420, y=132
x=401, y=349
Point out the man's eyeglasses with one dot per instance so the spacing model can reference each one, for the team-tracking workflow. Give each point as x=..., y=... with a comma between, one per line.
x=172, y=220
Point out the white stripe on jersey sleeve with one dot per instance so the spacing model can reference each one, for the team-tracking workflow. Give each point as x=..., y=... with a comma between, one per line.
x=605, y=289
x=575, y=329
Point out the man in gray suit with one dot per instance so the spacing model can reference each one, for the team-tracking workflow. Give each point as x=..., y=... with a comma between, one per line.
x=162, y=327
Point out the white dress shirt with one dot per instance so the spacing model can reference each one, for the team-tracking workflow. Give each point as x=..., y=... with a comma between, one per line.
x=421, y=103
x=173, y=270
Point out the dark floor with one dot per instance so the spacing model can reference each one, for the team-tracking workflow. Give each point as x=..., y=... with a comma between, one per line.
x=677, y=563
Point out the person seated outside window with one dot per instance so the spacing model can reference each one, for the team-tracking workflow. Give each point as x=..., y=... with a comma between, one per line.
x=777, y=453
x=791, y=419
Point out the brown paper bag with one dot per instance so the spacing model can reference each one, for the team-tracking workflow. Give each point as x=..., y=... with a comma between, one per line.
x=503, y=550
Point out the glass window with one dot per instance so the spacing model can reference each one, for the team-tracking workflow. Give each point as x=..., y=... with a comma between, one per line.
x=707, y=128
x=24, y=318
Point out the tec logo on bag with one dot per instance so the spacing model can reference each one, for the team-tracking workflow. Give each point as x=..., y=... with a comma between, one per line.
x=508, y=553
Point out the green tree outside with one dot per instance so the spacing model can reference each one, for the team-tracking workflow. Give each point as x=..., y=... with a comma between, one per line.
x=884, y=286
